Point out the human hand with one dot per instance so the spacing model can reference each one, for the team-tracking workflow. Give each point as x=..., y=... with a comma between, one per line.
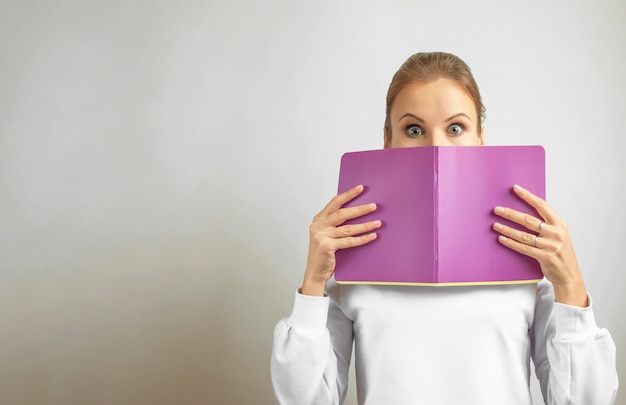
x=548, y=242
x=328, y=234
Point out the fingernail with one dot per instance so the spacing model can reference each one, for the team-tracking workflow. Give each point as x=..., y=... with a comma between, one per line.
x=518, y=188
x=376, y=223
x=499, y=210
x=371, y=206
x=498, y=226
x=502, y=238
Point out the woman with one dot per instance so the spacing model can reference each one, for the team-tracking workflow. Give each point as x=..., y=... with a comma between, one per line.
x=445, y=345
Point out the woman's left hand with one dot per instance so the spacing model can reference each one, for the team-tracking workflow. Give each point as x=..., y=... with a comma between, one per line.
x=547, y=240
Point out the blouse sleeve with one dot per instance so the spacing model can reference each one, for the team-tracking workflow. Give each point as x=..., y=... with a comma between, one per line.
x=309, y=364
x=575, y=361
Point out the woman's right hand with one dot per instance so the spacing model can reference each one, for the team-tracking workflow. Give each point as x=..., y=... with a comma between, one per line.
x=327, y=235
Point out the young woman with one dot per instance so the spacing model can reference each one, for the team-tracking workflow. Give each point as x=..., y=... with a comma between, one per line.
x=468, y=345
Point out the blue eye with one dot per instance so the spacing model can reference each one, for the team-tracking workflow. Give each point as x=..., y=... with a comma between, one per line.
x=455, y=129
x=414, y=131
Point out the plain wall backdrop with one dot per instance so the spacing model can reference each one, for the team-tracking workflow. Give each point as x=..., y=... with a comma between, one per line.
x=160, y=162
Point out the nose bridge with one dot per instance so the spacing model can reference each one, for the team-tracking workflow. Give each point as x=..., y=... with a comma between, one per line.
x=437, y=138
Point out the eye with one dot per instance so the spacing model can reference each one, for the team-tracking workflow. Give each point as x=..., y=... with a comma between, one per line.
x=455, y=129
x=414, y=131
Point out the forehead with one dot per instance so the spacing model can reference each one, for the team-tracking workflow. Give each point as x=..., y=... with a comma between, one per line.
x=441, y=97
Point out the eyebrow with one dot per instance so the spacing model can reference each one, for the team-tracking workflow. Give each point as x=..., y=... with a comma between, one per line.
x=412, y=116
x=461, y=114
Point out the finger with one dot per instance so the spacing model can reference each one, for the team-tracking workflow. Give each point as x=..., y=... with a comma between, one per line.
x=354, y=229
x=530, y=239
x=340, y=199
x=527, y=250
x=527, y=221
x=354, y=241
x=345, y=214
x=538, y=203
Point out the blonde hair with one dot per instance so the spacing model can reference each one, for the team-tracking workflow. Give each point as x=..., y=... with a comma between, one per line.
x=430, y=66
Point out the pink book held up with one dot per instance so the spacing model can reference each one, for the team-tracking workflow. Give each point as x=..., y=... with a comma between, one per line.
x=436, y=206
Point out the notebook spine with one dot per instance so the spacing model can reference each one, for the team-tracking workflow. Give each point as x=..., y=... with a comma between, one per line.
x=436, y=214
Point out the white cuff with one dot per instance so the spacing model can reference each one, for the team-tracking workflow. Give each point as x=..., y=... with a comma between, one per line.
x=574, y=323
x=309, y=312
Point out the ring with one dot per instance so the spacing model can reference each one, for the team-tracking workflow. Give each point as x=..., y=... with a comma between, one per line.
x=540, y=227
x=536, y=239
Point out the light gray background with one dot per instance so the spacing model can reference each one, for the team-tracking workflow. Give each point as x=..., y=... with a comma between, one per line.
x=160, y=163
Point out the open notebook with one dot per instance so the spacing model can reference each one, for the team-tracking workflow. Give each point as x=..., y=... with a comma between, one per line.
x=436, y=206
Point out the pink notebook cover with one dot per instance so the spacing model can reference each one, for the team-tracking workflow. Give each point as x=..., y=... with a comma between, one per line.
x=436, y=206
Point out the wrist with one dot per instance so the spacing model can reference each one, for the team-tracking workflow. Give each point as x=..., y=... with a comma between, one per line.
x=313, y=287
x=575, y=295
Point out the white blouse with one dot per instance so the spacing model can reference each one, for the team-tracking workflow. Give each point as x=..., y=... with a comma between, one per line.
x=468, y=345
